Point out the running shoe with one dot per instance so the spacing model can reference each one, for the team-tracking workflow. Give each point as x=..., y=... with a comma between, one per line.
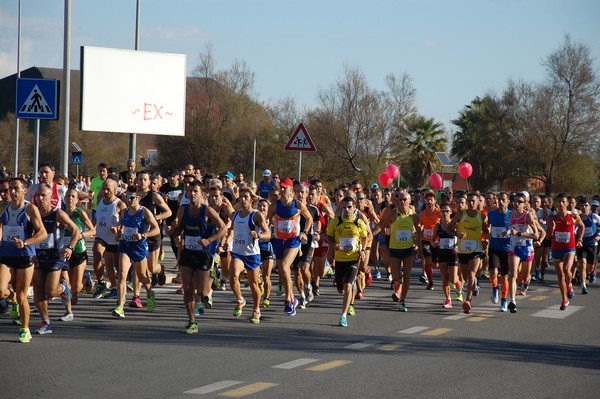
x=237, y=312
x=255, y=319
x=584, y=290
x=161, y=256
x=198, y=309
x=430, y=286
x=316, y=291
x=343, y=322
x=359, y=294
x=447, y=304
x=266, y=303
x=592, y=278
x=533, y=276
x=74, y=298
x=495, y=297
x=389, y=277
x=24, y=335
x=112, y=294
x=570, y=292
x=377, y=274
x=151, y=302
x=302, y=303
x=368, y=278
x=162, y=278
x=119, y=312
x=67, y=317
x=476, y=290
x=208, y=301
x=466, y=306
x=136, y=302
x=459, y=296
x=423, y=279
x=452, y=285
x=191, y=327
x=100, y=288
x=179, y=290
x=523, y=292
x=402, y=307
x=310, y=296
x=564, y=305
x=3, y=306
x=512, y=306
x=351, y=310
x=261, y=287
x=88, y=283
x=290, y=307
x=395, y=297
x=223, y=285
x=503, y=307
x=14, y=311
x=45, y=328
x=279, y=289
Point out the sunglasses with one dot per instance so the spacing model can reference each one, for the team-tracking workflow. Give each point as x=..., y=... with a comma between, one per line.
x=131, y=196
x=519, y=202
x=347, y=206
x=446, y=211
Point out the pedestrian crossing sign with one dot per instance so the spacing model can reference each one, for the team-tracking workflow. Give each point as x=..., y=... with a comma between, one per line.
x=37, y=98
x=300, y=141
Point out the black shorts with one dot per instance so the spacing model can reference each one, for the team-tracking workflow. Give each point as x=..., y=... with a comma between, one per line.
x=402, y=253
x=77, y=259
x=587, y=252
x=465, y=258
x=17, y=262
x=113, y=249
x=498, y=260
x=197, y=260
x=345, y=273
x=153, y=243
x=307, y=255
x=427, y=249
x=447, y=256
x=546, y=243
x=267, y=253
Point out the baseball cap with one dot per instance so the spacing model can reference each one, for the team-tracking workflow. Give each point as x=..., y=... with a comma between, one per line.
x=173, y=172
x=267, y=172
x=595, y=203
x=583, y=200
x=525, y=194
x=229, y=175
x=287, y=182
x=374, y=185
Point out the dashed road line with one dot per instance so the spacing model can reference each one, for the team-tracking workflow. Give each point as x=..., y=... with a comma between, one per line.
x=555, y=313
x=248, y=389
x=437, y=331
x=329, y=365
x=363, y=344
x=217, y=386
x=413, y=330
x=295, y=363
x=539, y=297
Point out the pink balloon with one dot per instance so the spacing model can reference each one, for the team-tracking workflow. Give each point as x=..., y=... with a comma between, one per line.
x=385, y=179
x=392, y=171
x=465, y=170
x=435, y=180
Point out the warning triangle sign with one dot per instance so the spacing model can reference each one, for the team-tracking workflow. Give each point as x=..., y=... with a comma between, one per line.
x=300, y=141
x=35, y=103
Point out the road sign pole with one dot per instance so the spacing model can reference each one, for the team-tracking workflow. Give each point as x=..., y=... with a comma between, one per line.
x=299, y=165
x=36, y=151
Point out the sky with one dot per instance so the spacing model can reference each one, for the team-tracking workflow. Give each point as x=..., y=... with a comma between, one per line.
x=454, y=50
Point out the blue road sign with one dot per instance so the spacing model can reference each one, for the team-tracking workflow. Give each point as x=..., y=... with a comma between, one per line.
x=37, y=98
x=76, y=158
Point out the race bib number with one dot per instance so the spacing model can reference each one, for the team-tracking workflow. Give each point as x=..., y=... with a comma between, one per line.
x=192, y=243
x=468, y=245
x=285, y=226
x=428, y=233
x=497, y=232
x=48, y=243
x=348, y=244
x=447, y=243
x=9, y=233
x=102, y=221
x=518, y=241
x=173, y=195
x=240, y=242
x=562, y=237
x=129, y=234
x=588, y=232
x=403, y=235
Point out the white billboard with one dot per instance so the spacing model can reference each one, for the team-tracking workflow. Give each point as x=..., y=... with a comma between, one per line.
x=129, y=91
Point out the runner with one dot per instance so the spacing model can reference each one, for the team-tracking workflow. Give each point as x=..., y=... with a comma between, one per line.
x=429, y=218
x=266, y=185
x=444, y=252
x=587, y=254
x=346, y=239
x=172, y=191
x=326, y=214
x=405, y=239
x=267, y=256
x=288, y=236
x=248, y=226
x=195, y=259
x=137, y=223
x=468, y=225
x=499, y=226
x=97, y=188
x=78, y=259
x=51, y=258
x=47, y=173
x=22, y=228
x=561, y=227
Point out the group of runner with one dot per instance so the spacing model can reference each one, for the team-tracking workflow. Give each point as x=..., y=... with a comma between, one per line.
x=220, y=230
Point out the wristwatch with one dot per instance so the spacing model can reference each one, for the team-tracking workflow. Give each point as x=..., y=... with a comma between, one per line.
x=143, y=236
x=70, y=247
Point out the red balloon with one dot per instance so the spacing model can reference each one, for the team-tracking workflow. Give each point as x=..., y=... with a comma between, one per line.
x=385, y=179
x=435, y=180
x=392, y=171
x=465, y=170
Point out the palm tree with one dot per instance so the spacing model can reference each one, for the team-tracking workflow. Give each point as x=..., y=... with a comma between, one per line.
x=424, y=138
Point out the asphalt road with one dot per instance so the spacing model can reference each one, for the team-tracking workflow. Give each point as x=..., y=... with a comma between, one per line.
x=430, y=352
